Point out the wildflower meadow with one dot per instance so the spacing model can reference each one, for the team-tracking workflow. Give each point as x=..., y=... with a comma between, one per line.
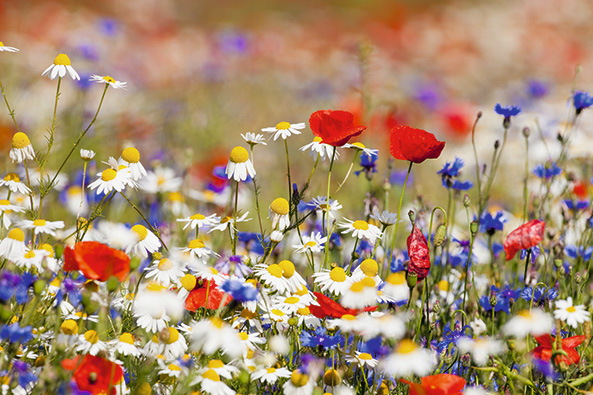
x=337, y=250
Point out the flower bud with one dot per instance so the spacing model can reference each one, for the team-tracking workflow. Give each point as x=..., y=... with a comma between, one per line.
x=496, y=144
x=578, y=278
x=473, y=227
x=506, y=122
x=492, y=299
x=558, y=263
x=440, y=235
x=412, y=216
x=526, y=132
x=39, y=361
x=466, y=200
x=411, y=279
x=112, y=284
x=135, y=263
x=332, y=378
x=39, y=286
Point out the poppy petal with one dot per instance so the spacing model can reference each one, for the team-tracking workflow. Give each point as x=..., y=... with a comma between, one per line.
x=525, y=236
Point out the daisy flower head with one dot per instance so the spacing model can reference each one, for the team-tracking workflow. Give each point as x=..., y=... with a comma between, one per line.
x=407, y=359
x=91, y=343
x=319, y=149
x=199, y=253
x=210, y=383
x=31, y=258
x=21, y=148
x=279, y=213
x=572, y=315
x=155, y=306
x=209, y=335
x=313, y=243
x=361, y=230
x=226, y=371
x=272, y=276
x=113, y=178
x=284, y=129
x=109, y=81
x=270, y=375
x=360, y=294
x=386, y=218
x=42, y=226
x=130, y=157
x=161, y=179
x=87, y=154
x=370, y=152
x=13, y=182
x=239, y=166
x=335, y=280
x=165, y=271
x=60, y=67
x=199, y=220
x=532, y=321
x=480, y=349
x=299, y=384
x=7, y=208
x=228, y=221
x=146, y=242
x=396, y=287
x=4, y=48
x=254, y=139
x=362, y=359
x=173, y=344
x=320, y=204
x=13, y=245
x=125, y=345
x=367, y=268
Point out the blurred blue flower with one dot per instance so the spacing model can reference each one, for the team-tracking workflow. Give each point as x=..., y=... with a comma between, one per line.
x=507, y=111
x=241, y=270
x=582, y=100
x=547, y=171
x=537, y=89
x=576, y=206
x=452, y=335
x=108, y=26
x=541, y=294
x=399, y=177
x=320, y=337
x=452, y=170
x=368, y=163
x=504, y=298
x=574, y=252
x=546, y=368
x=535, y=251
x=15, y=334
x=490, y=224
x=239, y=290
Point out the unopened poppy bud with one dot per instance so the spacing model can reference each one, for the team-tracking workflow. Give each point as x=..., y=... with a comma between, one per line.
x=39, y=361
x=558, y=263
x=91, y=308
x=112, y=284
x=134, y=263
x=411, y=279
x=440, y=235
x=496, y=144
x=466, y=200
x=412, y=216
x=479, y=115
x=526, y=132
x=244, y=377
x=332, y=378
x=293, y=321
x=5, y=314
x=39, y=286
x=473, y=227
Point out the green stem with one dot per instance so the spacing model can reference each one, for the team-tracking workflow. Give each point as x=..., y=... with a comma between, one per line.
x=156, y=233
x=399, y=207
x=328, y=207
x=235, y=231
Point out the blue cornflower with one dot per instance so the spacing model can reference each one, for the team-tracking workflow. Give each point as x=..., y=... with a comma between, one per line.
x=574, y=252
x=320, y=337
x=546, y=368
x=535, y=251
x=507, y=111
x=24, y=376
x=241, y=269
x=15, y=334
x=503, y=299
x=397, y=263
x=252, y=242
x=368, y=162
x=576, y=206
x=452, y=336
x=239, y=290
x=399, y=177
x=452, y=170
x=540, y=295
x=547, y=171
x=537, y=89
x=582, y=100
x=490, y=224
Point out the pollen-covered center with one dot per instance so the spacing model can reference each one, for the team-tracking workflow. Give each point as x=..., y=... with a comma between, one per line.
x=12, y=177
x=360, y=225
x=277, y=312
x=406, y=346
x=173, y=335
x=126, y=338
x=16, y=234
x=443, y=285
x=571, y=309
x=20, y=140
x=141, y=231
x=39, y=222
x=165, y=264
x=130, y=154
x=280, y=206
x=359, y=145
x=4, y=202
x=291, y=300
x=239, y=155
x=396, y=278
x=110, y=80
x=30, y=254
x=198, y=217
x=188, y=282
x=91, y=336
x=48, y=248
x=215, y=364
x=311, y=244
x=317, y=139
x=210, y=374
x=287, y=268
x=338, y=275
x=365, y=356
x=357, y=286
x=369, y=267
x=108, y=175
x=196, y=243
x=270, y=370
x=283, y=126
x=275, y=270
x=62, y=60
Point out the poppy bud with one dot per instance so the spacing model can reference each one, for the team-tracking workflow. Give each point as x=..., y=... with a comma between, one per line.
x=39, y=286
x=144, y=389
x=39, y=361
x=473, y=227
x=293, y=321
x=5, y=314
x=558, y=263
x=440, y=235
x=135, y=263
x=112, y=284
x=411, y=279
x=526, y=132
x=466, y=200
x=479, y=115
x=412, y=216
x=91, y=308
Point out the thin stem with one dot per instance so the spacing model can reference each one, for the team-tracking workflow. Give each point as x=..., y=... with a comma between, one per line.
x=328, y=207
x=10, y=110
x=288, y=174
x=235, y=231
x=156, y=233
x=399, y=207
x=256, y=192
x=478, y=181
x=347, y=174
x=29, y=184
x=525, y=191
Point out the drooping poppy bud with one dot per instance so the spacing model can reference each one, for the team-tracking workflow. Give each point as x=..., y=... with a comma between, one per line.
x=525, y=236
x=418, y=253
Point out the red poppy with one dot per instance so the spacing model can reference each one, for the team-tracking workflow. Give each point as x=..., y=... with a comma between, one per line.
x=94, y=374
x=330, y=308
x=207, y=295
x=439, y=384
x=580, y=189
x=418, y=253
x=334, y=127
x=415, y=145
x=544, y=350
x=96, y=261
x=525, y=236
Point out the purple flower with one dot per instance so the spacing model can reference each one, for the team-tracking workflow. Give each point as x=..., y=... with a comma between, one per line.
x=507, y=111
x=582, y=100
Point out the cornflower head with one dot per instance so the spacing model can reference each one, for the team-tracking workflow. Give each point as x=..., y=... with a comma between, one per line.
x=581, y=100
x=449, y=174
x=507, y=112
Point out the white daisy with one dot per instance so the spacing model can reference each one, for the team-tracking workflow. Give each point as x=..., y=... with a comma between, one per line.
x=199, y=220
x=31, y=258
x=115, y=177
x=362, y=359
x=13, y=182
x=109, y=81
x=360, y=294
x=289, y=304
x=91, y=343
x=480, y=349
x=388, y=325
x=87, y=154
x=239, y=165
x=408, y=359
x=199, y=253
x=271, y=276
x=146, y=242
x=59, y=68
x=5, y=209
x=361, y=147
x=212, y=334
x=284, y=129
x=386, y=218
x=125, y=345
x=42, y=226
x=478, y=326
x=4, y=48
x=270, y=375
x=396, y=287
x=295, y=280
x=155, y=306
x=173, y=344
x=13, y=245
x=254, y=139
x=572, y=315
x=320, y=149
x=279, y=214
x=319, y=204
x=115, y=234
x=313, y=243
x=228, y=222
x=165, y=271
x=525, y=322
x=361, y=230
x=21, y=148
x=299, y=384
x=130, y=157
x=335, y=281
x=210, y=383
x=161, y=179
x=226, y=371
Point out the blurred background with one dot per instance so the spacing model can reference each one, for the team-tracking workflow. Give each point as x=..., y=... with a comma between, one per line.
x=199, y=73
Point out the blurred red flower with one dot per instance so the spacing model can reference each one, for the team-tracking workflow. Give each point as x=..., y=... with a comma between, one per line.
x=334, y=127
x=207, y=295
x=525, y=236
x=439, y=384
x=418, y=253
x=96, y=261
x=544, y=350
x=415, y=145
x=94, y=374
x=330, y=308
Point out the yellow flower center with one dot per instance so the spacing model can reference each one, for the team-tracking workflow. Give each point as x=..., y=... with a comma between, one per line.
x=398, y=278
x=277, y=312
x=311, y=244
x=20, y=140
x=173, y=335
x=216, y=321
x=130, y=154
x=211, y=375
x=338, y=275
x=112, y=81
x=16, y=234
x=317, y=139
x=175, y=197
x=1, y=44
x=69, y=327
x=244, y=336
x=304, y=311
x=126, y=338
x=359, y=145
x=365, y=356
x=298, y=379
x=226, y=219
x=348, y=317
x=30, y=254
x=280, y=206
x=571, y=309
x=91, y=336
x=357, y=286
x=141, y=231
x=275, y=270
x=165, y=264
x=282, y=126
x=196, y=243
x=291, y=300
x=12, y=177
x=39, y=222
x=406, y=346
x=154, y=287
x=239, y=155
x=108, y=175
x=270, y=370
x=198, y=216
x=369, y=267
x=525, y=314
x=62, y=60
x=443, y=285
x=215, y=364
x=4, y=202
x=360, y=225
x=174, y=367
x=188, y=282
x=287, y=268
x=55, y=282
x=368, y=281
